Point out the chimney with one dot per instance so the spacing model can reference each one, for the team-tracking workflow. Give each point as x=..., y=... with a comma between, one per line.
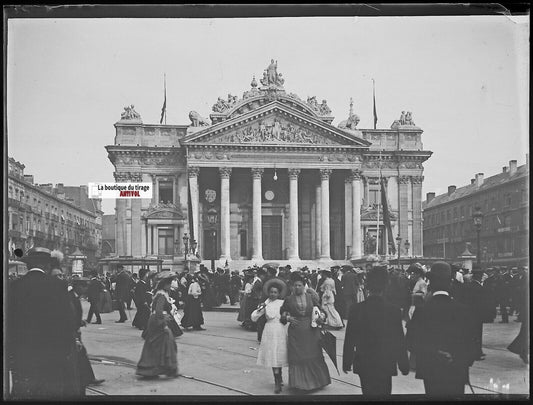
x=451, y=190
x=472, y=181
x=512, y=167
x=59, y=187
x=429, y=197
x=504, y=169
x=479, y=179
x=29, y=178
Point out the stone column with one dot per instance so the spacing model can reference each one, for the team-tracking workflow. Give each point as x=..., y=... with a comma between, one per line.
x=136, y=232
x=257, y=239
x=193, y=172
x=225, y=174
x=348, y=221
x=416, y=242
x=356, y=215
x=293, y=214
x=403, y=209
x=121, y=227
x=318, y=221
x=325, y=239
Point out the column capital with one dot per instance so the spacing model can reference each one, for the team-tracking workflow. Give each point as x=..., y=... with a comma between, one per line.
x=225, y=172
x=417, y=179
x=372, y=180
x=138, y=177
x=404, y=179
x=356, y=174
x=325, y=173
x=121, y=176
x=193, y=171
x=294, y=173
x=257, y=172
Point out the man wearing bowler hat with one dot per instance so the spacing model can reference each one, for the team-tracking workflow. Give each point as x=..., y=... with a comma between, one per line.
x=375, y=330
x=442, y=337
x=39, y=331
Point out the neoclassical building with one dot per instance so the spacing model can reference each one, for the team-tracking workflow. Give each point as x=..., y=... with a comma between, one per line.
x=267, y=178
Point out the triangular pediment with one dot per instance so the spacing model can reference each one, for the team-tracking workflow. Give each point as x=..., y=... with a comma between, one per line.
x=274, y=124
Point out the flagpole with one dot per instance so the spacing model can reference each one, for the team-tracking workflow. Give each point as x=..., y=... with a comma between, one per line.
x=165, y=85
x=377, y=221
x=374, y=99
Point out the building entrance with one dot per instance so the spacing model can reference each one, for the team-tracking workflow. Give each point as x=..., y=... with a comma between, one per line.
x=272, y=237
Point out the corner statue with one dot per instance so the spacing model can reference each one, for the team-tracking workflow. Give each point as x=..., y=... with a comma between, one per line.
x=197, y=120
x=130, y=114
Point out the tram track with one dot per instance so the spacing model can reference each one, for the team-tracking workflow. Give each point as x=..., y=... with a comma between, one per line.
x=181, y=342
x=114, y=362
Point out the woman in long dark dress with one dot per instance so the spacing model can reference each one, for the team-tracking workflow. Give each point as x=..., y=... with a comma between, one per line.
x=160, y=352
x=307, y=368
x=192, y=313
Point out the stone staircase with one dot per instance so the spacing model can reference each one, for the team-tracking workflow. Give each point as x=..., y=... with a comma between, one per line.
x=311, y=264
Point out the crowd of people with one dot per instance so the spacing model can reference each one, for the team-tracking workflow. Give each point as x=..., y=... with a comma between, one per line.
x=425, y=320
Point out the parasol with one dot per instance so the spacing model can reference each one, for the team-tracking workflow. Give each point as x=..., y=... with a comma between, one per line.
x=274, y=265
x=165, y=274
x=328, y=341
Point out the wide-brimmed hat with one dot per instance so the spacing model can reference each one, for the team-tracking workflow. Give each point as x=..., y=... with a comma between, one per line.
x=278, y=282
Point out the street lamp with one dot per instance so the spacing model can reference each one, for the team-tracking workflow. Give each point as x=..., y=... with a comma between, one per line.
x=399, y=241
x=212, y=219
x=194, y=244
x=186, y=244
x=407, y=246
x=477, y=217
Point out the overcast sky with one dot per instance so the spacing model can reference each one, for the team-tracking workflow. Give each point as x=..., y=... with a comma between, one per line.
x=466, y=80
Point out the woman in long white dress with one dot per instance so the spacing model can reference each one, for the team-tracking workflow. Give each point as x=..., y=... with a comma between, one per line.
x=273, y=348
x=333, y=319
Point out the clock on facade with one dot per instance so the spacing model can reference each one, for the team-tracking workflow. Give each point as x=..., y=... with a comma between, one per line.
x=210, y=195
x=269, y=195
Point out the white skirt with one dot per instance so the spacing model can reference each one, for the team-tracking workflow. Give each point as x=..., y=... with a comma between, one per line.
x=273, y=348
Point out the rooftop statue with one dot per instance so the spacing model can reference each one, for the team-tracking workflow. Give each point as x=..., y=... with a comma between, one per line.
x=197, y=120
x=406, y=118
x=130, y=114
x=311, y=102
x=352, y=121
x=324, y=109
x=271, y=77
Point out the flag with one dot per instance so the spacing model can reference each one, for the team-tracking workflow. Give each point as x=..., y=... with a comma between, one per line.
x=164, y=109
x=386, y=215
x=375, y=112
x=498, y=218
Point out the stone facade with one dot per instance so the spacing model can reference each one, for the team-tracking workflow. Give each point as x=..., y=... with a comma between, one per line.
x=504, y=202
x=285, y=183
x=59, y=217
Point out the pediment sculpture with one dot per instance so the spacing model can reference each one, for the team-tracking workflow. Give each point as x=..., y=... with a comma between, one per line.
x=274, y=131
x=130, y=114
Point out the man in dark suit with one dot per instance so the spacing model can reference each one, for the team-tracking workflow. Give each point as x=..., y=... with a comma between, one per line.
x=40, y=342
x=85, y=370
x=476, y=298
x=375, y=330
x=235, y=287
x=93, y=296
x=349, y=289
x=442, y=337
x=122, y=292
